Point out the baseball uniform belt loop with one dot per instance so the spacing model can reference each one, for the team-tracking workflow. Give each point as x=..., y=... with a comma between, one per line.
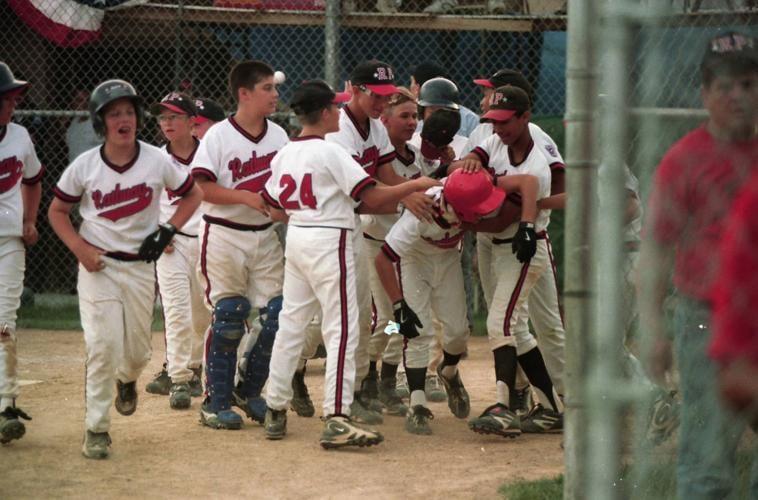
x=235, y=225
x=123, y=256
x=497, y=241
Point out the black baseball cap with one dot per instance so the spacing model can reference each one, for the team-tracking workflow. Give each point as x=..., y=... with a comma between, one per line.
x=314, y=95
x=377, y=76
x=176, y=102
x=505, y=102
x=208, y=110
x=425, y=71
x=507, y=77
x=730, y=52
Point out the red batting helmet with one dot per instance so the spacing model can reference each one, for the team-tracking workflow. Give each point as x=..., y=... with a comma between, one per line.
x=472, y=195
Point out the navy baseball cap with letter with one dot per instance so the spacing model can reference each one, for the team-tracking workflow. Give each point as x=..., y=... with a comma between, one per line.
x=314, y=95
x=376, y=76
x=176, y=102
x=732, y=52
x=505, y=102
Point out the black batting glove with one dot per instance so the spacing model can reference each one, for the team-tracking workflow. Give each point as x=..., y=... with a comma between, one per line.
x=524, y=244
x=406, y=319
x=156, y=242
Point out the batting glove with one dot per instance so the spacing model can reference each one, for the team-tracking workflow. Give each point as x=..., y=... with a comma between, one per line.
x=406, y=318
x=152, y=247
x=524, y=244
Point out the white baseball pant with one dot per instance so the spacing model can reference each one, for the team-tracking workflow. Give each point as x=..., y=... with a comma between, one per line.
x=388, y=348
x=116, y=308
x=12, y=265
x=433, y=285
x=319, y=273
x=363, y=295
x=185, y=315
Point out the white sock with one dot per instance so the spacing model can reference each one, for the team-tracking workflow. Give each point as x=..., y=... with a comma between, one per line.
x=418, y=397
x=503, y=394
x=449, y=371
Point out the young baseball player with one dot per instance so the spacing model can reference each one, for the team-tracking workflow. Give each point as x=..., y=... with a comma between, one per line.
x=400, y=118
x=117, y=187
x=363, y=136
x=209, y=112
x=544, y=308
x=436, y=94
x=20, y=192
x=510, y=150
x=431, y=281
x=181, y=294
x=241, y=258
x=316, y=183
x=694, y=187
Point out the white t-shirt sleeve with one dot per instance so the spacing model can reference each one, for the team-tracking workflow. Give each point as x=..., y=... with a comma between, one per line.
x=176, y=180
x=351, y=178
x=485, y=149
x=401, y=237
x=32, y=167
x=205, y=163
x=70, y=187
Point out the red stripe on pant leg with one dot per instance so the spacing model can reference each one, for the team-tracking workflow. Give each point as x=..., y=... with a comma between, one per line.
x=514, y=299
x=204, y=264
x=344, y=326
x=555, y=279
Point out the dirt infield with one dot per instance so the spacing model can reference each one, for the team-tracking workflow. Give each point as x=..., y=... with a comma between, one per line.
x=164, y=453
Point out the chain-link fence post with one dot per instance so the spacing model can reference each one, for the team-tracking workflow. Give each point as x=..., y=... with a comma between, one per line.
x=331, y=42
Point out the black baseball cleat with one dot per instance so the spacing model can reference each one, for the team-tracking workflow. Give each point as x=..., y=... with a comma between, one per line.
x=126, y=397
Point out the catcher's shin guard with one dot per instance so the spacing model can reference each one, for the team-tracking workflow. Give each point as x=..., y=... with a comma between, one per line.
x=227, y=329
x=258, y=358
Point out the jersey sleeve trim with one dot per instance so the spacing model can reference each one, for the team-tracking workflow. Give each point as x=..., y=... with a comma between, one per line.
x=390, y=253
x=355, y=193
x=557, y=166
x=387, y=158
x=483, y=156
x=204, y=172
x=34, y=180
x=68, y=198
x=185, y=187
x=270, y=199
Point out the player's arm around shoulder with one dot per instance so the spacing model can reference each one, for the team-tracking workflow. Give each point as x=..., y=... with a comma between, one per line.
x=528, y=187
x=419, y=203
x=379, y=197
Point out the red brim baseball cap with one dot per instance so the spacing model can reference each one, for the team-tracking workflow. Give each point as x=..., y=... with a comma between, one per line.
x=341, y=97
x=171, y=107
x=484, y=83
x=498, y=115
x=199, y=120
x=383, y=89
x=491, y=203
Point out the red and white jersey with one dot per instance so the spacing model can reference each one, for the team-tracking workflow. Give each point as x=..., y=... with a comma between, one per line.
x=411, y=235
x=370, y=148
x=541, y=140
x=234, y=159
x=120, y=206
x=458, y=144
x=495, y=156
x=317, y=183
x=169, y=199
x=409, y=165
x=18, y=164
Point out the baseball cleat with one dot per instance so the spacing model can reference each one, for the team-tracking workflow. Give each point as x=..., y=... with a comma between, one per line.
x=417, y=420
x=542, y=420
x=161, y=384
x=180, y=397
x=433, y=389
x=301, y=401
x=370, y=392
x=393, y=404
x=521, y=401
x=96, y=445
x=362, y=414
x=254, y=408
x=126, y=397
x=402, y=385
x=224, y=419
x=457, y=397
x=275, y=424
x=10, y=426
x=196, y=383
x=340, y=431
x=497, y=419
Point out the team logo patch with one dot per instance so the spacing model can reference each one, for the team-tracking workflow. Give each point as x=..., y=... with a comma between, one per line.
x=10, y=172
x=384, y=74
x=124, y=202
x=551, y=149
x=497, y=98
x=255, y=171
x=369, y=160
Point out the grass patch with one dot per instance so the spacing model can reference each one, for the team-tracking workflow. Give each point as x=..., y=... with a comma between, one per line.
x=51, y=311
x=543, y=489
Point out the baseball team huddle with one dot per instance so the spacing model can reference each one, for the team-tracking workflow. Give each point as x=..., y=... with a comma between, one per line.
x=342, y=242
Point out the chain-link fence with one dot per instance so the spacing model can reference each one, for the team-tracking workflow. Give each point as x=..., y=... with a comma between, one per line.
x=191, y=45
x=637, y=89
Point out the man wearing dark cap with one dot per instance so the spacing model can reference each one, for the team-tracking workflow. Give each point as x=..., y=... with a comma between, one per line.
x=209, y=112
x=20, y=193
x=426, y=71
x=365, y=138
x=314, y=185
x=692, y=191
x=510, y=150
x=181, y=294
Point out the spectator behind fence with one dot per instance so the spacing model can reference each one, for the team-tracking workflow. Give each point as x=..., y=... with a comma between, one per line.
x=80, y=136
x=692, y=191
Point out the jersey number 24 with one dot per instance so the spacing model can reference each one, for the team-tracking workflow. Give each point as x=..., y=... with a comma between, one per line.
x=305, y=192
